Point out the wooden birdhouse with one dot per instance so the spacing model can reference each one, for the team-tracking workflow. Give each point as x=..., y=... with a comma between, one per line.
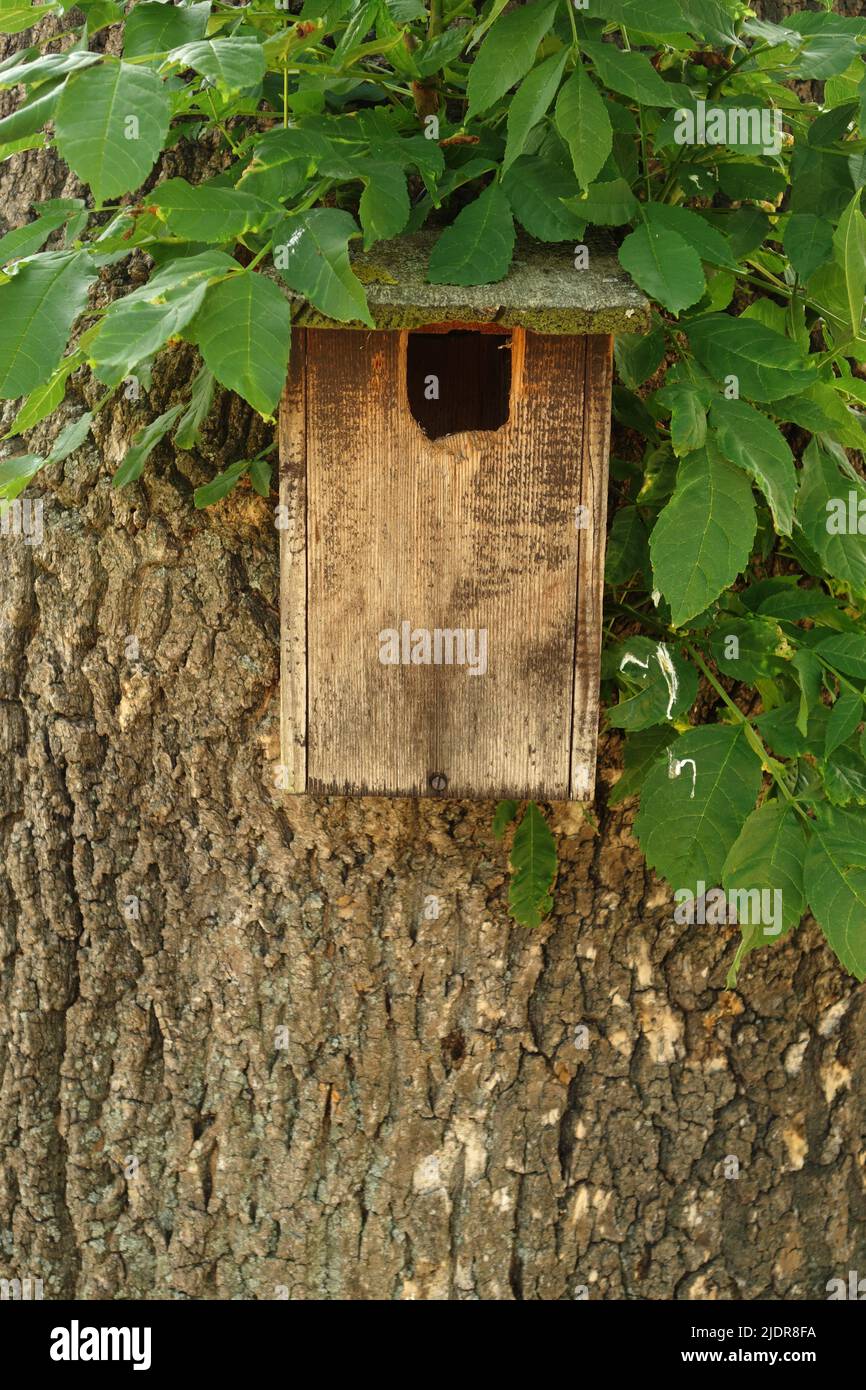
x=443, y=488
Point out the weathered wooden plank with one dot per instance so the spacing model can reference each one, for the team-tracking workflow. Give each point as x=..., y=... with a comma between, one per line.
x=293, y=572
x=467, y=535
x=590, y=569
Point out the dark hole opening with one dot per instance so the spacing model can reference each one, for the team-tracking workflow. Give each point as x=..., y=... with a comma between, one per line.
x=458, y=381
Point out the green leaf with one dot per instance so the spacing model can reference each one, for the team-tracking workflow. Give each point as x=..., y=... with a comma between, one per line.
x=822, y=410
x=627, y=546
x=648, y=16
x=534, y=865
x=688, y=419
x=24, y=241
x=808, y=242
x=845, y=777
x=243, y=332
x=822, y=489
x=350, y=42
x=507, y=54
x=664, y=266
x=846, y=714
x=530, y=102
x=849, y=244
x=49, y=65
x=809, y=674
x=30, y=117
x=37, y=309
x=746, y=648
x=834, y=124
x=639, y=355
x=15, y=474
x=311, y=253
x=845, y=652
x=133, y=329
x=157, y=28
x=233, y=64
x=733, y=123
x=665, y=685
x=484, y=24
x=746, y=229
x=201, y=399
x=779, y=728
x=766, y=365
x=606, y=204
x=767, y=856
x=220, y=486
x=45, y=399
x=835, y=878
x=15, y=18
x=756, y=181
x=790, y=604
x=535, y=189
x=110, y=126
x=70, y=438
x=143, y=445
x=477, y=248
x=582, y=121
x=260, y=477
x=821, y=182
x=631, y=74
x=439, y=52
x=208, y=212
x=748, y=438
x=694, y=804
x=709, y=243
x=709, y=19
x=641, y=751
x=703, y=537
x=181, y=273
x=275, y=172
x=503, y=816
x=384, y=208
x=98, y=13
x=825, y=55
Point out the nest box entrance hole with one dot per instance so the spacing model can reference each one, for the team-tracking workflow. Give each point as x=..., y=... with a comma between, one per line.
x=458, y=380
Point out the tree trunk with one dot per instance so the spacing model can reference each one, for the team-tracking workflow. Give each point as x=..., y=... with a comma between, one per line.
x=261, y=1047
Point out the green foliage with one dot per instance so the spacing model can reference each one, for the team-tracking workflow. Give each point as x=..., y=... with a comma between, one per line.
x=507, y=54
x=313, y=258
x=110, y=124
x=703, y=537
x=478, y=245
x=243, y=331
x=533, y=866
x=665, y=266
x=736, y=656
x=767, y=855
x=694, y=803
x=40, y=304
x=583, y=122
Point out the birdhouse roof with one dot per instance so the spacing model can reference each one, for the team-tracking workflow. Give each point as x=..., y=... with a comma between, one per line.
x=542, y=291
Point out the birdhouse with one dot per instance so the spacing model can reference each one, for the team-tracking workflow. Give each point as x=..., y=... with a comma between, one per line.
x=443, y=484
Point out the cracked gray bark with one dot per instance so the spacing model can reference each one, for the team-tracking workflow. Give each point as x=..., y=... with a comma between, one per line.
x=242, y=1058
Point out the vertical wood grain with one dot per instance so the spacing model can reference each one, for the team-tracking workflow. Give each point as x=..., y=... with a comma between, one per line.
x=590, y=565
x=293, y=572
x=477, y=530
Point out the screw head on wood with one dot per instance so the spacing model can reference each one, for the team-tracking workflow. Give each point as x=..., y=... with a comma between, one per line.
x=438, y=781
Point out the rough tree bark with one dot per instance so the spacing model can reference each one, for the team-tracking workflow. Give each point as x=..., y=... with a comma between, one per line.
x=281, y=1074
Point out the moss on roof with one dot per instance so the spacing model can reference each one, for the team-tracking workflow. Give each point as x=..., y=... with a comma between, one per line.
x=542, y=290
